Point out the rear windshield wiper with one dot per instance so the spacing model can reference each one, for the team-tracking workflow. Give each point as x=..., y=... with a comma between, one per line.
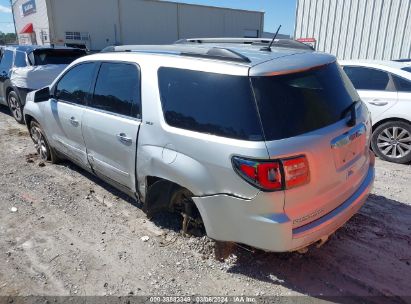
x=352, y=109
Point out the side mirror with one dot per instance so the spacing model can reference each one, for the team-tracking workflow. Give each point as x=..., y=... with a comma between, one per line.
x=42, y=95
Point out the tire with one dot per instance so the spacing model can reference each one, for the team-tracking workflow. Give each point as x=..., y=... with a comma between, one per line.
x=15, y=107
x=44, y=150
x=391, y=141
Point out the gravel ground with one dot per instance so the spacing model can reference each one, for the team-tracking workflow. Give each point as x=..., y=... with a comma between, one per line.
x=64, y=232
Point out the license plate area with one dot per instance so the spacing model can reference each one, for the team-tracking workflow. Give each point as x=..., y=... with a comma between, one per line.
x=348, y=147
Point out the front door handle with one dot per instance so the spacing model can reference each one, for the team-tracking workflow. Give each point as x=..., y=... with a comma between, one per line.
x=124, y=139
x=377, y=102
x=74, y=121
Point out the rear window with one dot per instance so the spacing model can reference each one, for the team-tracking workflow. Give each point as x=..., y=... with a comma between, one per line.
x=407, y=69
x=210, y=103
x=298, y=103
x=43, y=57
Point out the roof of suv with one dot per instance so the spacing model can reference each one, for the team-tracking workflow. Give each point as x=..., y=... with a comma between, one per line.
x=31, y=48
x=238, y=54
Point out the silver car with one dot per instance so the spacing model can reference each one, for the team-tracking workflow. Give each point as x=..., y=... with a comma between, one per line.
x=267, y=147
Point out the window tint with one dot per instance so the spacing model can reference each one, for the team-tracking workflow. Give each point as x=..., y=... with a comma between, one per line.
x=209, y=103
x=367, y=79
x=118, y=89
x=402, y=84
x=43, y=57
x=75, y=84
x=6, y=61
x=298, y=103
x=20, y=60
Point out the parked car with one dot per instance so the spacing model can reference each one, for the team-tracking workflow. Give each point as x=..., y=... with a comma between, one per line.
x=269, y=148
x=385, y=86
x=27, y=68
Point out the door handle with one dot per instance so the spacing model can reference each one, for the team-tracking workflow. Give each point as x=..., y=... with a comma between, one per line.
x=378, y=102
x=124, y=139
x=74, y=121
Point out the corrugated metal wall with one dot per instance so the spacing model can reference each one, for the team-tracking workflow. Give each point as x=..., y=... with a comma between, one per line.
x=357, y=29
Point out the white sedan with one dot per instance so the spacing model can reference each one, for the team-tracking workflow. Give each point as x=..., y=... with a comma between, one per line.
x=385, y=86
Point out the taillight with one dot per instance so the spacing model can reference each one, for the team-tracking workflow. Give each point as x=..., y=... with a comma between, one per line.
x=296, y=172
x=273, y=175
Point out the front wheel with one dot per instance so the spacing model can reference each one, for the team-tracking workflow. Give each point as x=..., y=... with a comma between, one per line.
x=15, y=107
x=391, y=141
x=41, y=144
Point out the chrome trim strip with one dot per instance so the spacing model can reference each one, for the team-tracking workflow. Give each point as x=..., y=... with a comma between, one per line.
x=352, y=201
x=349, y=136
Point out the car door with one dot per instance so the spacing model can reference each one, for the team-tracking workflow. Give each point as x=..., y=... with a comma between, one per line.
x=375, y=87
x=111, y=122
x=65, y=111
x=5, y=66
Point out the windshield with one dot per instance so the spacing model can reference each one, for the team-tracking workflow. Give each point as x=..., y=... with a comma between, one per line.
x=43, y=57
x=298, y=103
x=407, y=69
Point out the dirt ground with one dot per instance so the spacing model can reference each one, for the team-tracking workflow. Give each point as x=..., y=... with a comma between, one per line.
x=74, y=235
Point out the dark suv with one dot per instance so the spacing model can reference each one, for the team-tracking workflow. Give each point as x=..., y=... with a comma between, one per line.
x=27, y=68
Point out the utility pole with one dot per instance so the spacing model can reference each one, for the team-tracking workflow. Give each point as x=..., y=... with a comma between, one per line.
x=14, y=20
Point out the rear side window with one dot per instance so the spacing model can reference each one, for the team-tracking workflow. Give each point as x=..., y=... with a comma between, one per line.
x=6, y=61
x=298, y=103
x=368, y=79
x=75, y=85
x=43, y=57
x=402, y=84
x=20, y=60
x=118, y=89
x=210, y=103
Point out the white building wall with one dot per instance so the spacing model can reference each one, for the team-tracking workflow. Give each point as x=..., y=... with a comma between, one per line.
x=108, y=22
x=148, y=22
x=98, y=18
x=39, y=19
x=351, y=29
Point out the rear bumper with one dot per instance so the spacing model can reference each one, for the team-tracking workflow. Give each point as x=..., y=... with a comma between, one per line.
x=228, y=218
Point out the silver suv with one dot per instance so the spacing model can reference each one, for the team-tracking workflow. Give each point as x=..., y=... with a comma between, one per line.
x=262, y=146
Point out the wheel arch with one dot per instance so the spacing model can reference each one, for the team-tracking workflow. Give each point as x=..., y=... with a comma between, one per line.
x=28, y=119
x=391, y=119
x=158, y=193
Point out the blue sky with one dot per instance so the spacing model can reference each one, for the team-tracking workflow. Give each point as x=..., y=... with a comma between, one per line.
x=276, y=12
x=6, y=19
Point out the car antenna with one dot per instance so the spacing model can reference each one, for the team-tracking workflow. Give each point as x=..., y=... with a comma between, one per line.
x=268, y=48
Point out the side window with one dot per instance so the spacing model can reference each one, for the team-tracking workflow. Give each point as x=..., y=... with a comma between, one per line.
x=402, y=84
x=20, y=60
x=7, y=61
x=75, y=85
x=367, y=79
x=117, y=89
x=210, y=103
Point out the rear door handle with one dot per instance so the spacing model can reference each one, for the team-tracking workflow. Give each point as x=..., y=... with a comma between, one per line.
x=377, y=102
x=74, y=121
x=124, y=139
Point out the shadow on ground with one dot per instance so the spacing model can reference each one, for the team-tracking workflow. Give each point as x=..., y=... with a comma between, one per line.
x=369, y=257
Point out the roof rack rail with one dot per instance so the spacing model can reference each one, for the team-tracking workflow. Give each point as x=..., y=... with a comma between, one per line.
x=281, y=42
x=219, y=54
x=210, y=52
x=224, y=40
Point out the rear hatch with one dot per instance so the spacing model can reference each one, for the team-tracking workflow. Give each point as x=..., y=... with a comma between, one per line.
x=304, y=110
